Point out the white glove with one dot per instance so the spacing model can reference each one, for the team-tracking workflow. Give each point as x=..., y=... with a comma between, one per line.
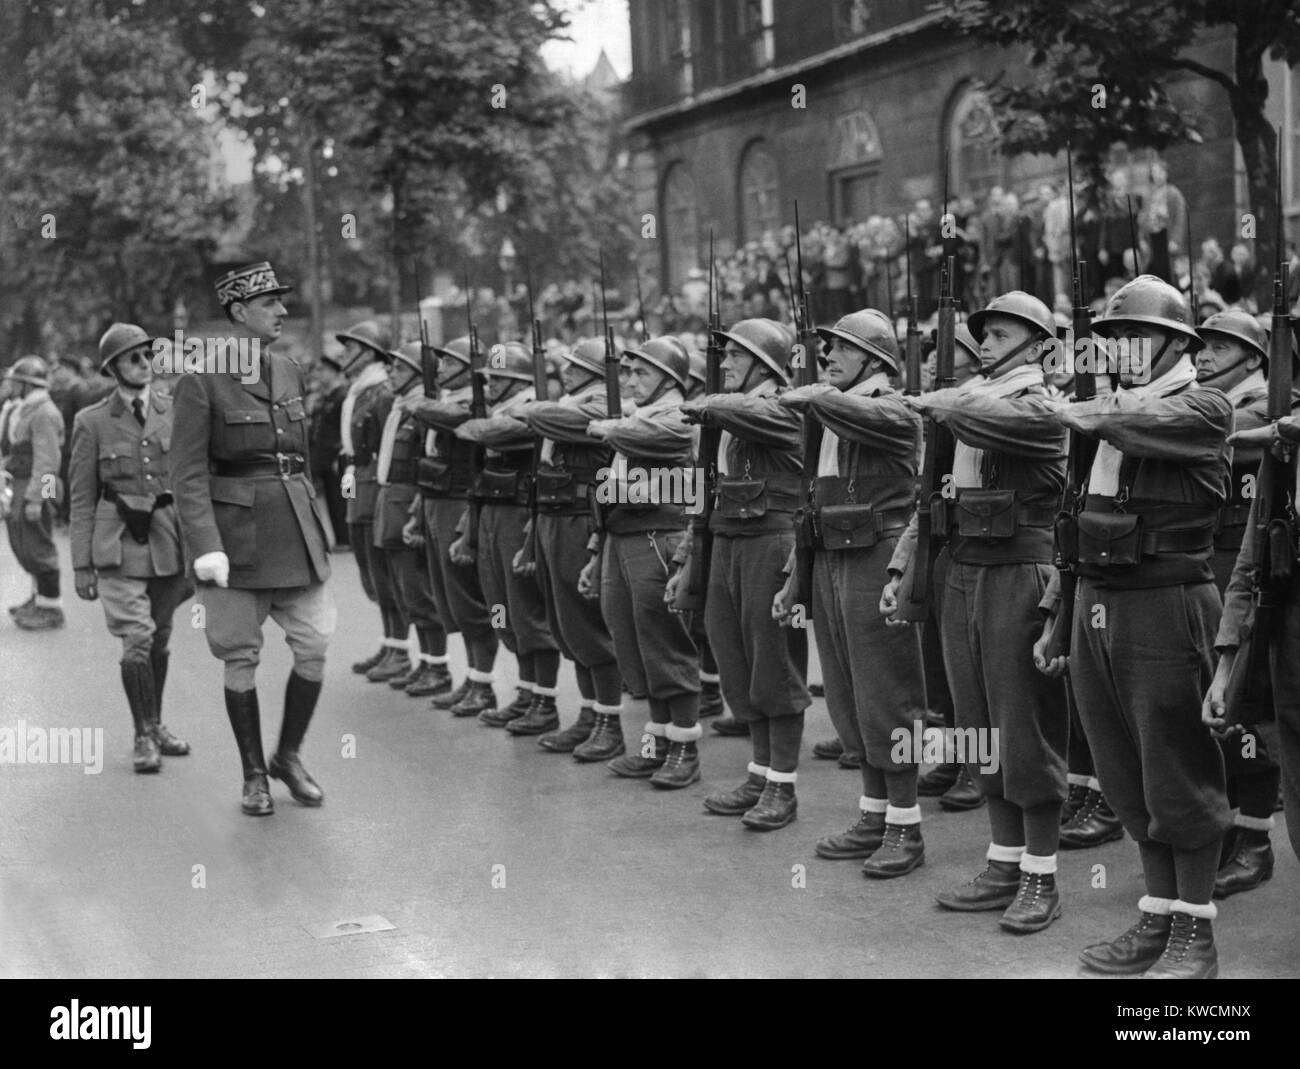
x=213, y=568
x=348, y=484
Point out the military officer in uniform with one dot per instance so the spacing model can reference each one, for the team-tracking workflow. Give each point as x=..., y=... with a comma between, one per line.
x=31, y=447
x=126, y=539
x=255, y=531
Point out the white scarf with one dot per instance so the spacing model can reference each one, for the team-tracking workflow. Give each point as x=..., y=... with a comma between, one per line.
x=1103, y=480
x=766, y=388
x=395, y=416
x=1254, y=383
x=370, y=374
x=568, y=400
x=450, y=397
x=828, y=461
x=967, y=461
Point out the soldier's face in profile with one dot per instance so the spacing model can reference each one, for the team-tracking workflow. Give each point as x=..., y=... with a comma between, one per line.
x=262, y=317
x=844, y=364
x=644, y=379
x=135, y=367
x=1218, y=356
x=1001, y=335
x=736, y=366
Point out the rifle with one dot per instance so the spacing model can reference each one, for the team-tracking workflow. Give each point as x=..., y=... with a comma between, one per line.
x=428, y=358
x=1191, y=276
x=690, y=591
x=1249, y=697
x=640, y=303
x=805, y=524
x=1082, y=452
x=912, y=346
x=1133, y=237
x=540, y=393
x=477, y=410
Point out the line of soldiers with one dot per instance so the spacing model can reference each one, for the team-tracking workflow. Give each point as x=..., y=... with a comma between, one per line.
x=561, y=529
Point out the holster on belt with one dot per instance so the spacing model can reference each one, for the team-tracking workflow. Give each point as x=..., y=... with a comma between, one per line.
x=433, y=474
x=136, y=511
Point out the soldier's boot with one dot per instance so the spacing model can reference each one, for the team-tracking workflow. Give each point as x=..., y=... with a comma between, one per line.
x=817, y=690
x=452, y=697
x=542, y=716
x=1037, y=904
x=649, y=756
x=300, y=696
x=396, y=662
x=711, y=703
x=606, y=739
x=776, y=807
x=861, y=840
x=413, y=673
x=963, y=794
x=14, y=610
x=40, y=617
x=730, y=726
x=1138, y=948
x=681, y=768
x=1190, y=953
x=937, y=781
x=246, y=723
x=566, y=739
x=137, y=681
x=478, y=699
x=168, y=744
x=739, y=800
x=829, y=750
x=499, y=718
x=1092, y=825
x=1078, y=794
x=362, y=667
x=901, y=849
x=434, y=678
x=994, y=888
x=1251, y=862
x=849, y=760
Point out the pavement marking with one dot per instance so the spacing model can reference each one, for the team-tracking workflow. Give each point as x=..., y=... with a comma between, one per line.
x=352, y=926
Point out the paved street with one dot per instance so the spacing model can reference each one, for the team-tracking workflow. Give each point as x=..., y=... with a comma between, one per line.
x=601, y=876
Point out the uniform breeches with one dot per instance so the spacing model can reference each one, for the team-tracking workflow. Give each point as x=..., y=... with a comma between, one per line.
x=576, y=622
x=455, y=587
x=139, y=611
x=515, y=606
x=234, y=620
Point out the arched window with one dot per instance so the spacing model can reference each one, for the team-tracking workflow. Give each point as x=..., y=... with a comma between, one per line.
x=977, y=165
x=681, y=232
x=760, y=193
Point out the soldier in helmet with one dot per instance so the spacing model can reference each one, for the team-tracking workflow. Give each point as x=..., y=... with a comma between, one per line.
x=1235, y=360
x=31, y=449
x=1145, y=550
x=862, y=500
x=758, y=492
x=126, y=538
x=444, y=475
x=365, y=408
x=643, y=531
x=566, y=480
x=397, y=527
x=1008, y=476
x=255, y=531
x=504, y=492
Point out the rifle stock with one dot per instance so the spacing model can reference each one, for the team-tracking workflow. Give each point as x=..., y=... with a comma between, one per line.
x=428, y=358
x=805, y=521
x=477, y=410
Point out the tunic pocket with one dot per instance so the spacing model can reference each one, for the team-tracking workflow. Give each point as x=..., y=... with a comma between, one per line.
x=232, y=508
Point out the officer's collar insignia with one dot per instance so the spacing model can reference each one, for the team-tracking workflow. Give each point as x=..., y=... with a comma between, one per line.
x=245, y=283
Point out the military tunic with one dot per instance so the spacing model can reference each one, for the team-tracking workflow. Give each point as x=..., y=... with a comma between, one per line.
x=31, y=446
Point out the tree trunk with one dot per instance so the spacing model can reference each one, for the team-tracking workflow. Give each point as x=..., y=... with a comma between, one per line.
x=395, y=263
x=311, y=229
x=1258, y=141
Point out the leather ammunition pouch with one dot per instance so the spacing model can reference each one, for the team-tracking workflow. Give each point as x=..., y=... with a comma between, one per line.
x=136, y=511
x=751, y=499
x=433, y=474
x=1281, y=550
x=502, y=488
x=847, y=526
x=558, y=489
x=1067, y=537
x=989, y=515
x=1109, y=539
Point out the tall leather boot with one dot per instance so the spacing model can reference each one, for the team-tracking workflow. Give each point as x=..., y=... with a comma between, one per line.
x=300, y=696
x=1092, y=825
x=605, y=741
x=137, y=681
x=574, y=735
x=1250, y=865
x=168, y=744
x=1190, y=952
x=479, y=698
x=246, y=723
x=542, y=716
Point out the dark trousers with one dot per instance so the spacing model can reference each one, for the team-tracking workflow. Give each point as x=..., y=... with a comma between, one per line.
x=514, y=602
x=372, y=562
x=33, y=543
x=576, y=622
x=1284, y=658
x=455, y=587
x=327, y=485
x=411, y=581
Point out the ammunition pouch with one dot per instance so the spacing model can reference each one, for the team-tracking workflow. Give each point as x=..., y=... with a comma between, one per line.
x=847, y=526
x=1281, y=550
x=1109, y=539
x=502, y=488
x=989, y=515
x=433, y=474
x=751, y=499
x=1067, y=537
x=558, y=490
x=940, y=516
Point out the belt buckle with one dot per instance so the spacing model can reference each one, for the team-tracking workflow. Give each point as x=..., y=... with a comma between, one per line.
x=285, y=461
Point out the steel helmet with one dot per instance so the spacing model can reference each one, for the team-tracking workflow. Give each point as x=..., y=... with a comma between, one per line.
x=457, y=349
x=1017, y=305
x=370, y=333
x=408, y=353
x=1237, y=326
x=588, y=354
x=667, y=354
x=868, y=330
x=509, y=360
x=967, y=341
x=765, y=339
x=30, y=369
x=120, y=338
x=699, y=366
x=1152, y=301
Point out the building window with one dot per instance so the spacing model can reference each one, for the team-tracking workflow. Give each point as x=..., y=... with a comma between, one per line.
x=757, y=34
x=1291, y=131
x=851, y=18
x=675, y=54
x=855, y=156
x=857, y=196
x=760, y=193
x=977, y=165
x=681, y=232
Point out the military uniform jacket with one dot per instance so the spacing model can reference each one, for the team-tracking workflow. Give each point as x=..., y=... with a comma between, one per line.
x=1249, y=411
x=762, y=443
x=397, y=486
x=571, y=459
x=654, y=436
x=31, y=443
x=273, y=528
x=368, y=415
x=112, y=454
x=447, y=468
x=508, y=443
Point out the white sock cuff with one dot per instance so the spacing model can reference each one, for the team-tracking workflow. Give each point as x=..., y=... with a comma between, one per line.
x=42, y=602
x=477, y=676
x=608, y=710
x=1254, y=823
x=781, y=777
x=1206, y=912
x=1005, y=853
x=710, y=677
x=872, y=805
x=658, y=730
x=546, y=692
x=690, y=734
x=434, y=658
x=527, y=685
x=1033, y=863
x=398, y=644
x=756, y=770
x=897, y=815
x=1076, y=779
x=1161, y=907
x=1094, y=784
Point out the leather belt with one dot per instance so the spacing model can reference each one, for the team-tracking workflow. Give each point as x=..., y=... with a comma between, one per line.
x=284, y=465
x=1234, y=516
x=160, y=501
x=1186, y=540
